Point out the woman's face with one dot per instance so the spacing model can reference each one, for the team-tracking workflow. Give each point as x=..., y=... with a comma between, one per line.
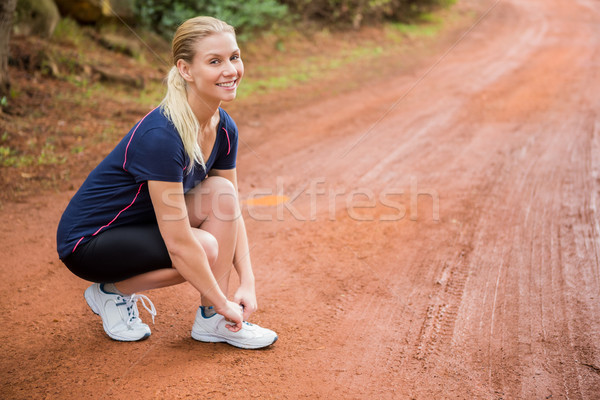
x=217, y=69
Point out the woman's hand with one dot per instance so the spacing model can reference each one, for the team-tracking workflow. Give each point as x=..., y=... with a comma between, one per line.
x=245, y=296
x=233, y=314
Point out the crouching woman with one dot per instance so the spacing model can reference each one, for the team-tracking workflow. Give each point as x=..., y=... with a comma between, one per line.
x=162, y=207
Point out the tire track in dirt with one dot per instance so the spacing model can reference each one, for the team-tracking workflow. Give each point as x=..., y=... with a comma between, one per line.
x=440, y=313
x=539, y=254
x=437, y=323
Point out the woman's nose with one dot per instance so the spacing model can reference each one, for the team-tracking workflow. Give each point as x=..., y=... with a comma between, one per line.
x=230, y=69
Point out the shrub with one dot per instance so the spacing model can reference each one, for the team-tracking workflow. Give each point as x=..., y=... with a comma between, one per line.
x=342, y=13
x=247, y=17
x=346, y=13
x=405, y=10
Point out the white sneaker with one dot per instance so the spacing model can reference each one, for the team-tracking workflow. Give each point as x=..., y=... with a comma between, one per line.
x=212, y=329
x=120, y=315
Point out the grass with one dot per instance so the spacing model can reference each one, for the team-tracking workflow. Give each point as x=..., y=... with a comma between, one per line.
x=69, y=32
x=10, y=157
x=430, y=26
x=48, y=156
x=77, y=149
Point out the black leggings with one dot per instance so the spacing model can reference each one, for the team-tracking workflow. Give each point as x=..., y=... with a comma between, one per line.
x=120, y=253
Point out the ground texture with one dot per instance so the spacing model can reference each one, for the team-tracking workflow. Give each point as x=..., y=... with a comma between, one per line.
x=440, y=240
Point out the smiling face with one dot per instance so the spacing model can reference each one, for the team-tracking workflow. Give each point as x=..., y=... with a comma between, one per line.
x=215, y=71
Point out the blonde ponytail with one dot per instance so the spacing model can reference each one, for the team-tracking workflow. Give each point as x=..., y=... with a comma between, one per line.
x=175, y=105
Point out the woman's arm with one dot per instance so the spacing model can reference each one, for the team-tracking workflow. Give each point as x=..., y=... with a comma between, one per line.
x=187, y=254
x=246, y=294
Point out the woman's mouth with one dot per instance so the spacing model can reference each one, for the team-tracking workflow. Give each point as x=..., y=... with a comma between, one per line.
x=228, y=85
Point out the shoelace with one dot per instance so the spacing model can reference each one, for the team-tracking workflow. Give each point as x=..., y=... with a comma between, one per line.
x=132, y=309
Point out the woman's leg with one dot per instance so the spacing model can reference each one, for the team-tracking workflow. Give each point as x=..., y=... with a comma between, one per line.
x=213, y=207
x=213, y=210
x=167, y=276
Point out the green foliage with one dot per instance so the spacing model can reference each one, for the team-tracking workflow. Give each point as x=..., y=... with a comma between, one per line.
x=49, y=157
x=10, y=157
x=77, y=149
x=68, y=31
x=406, y=10
x=340, y=12
x=346, y=13
x=247, y=17
x=413, y=31
x=5, y=151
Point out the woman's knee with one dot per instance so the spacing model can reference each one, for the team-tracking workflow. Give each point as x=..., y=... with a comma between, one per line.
x=209, y=244
x=224, y=199
x=219, y=184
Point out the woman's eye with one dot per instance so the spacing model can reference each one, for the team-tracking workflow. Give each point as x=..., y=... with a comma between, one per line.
x=215, y=61
x=236, y=57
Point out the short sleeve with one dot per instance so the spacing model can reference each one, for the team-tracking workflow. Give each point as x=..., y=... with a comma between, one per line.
x=228, y=144
x=156, y=154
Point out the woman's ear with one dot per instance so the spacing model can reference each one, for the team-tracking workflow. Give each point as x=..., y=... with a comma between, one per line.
x=184, y=70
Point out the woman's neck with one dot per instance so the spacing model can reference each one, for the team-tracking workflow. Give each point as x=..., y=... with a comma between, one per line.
x=203, y=109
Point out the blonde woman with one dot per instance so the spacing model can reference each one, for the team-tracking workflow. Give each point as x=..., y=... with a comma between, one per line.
x=162, y=207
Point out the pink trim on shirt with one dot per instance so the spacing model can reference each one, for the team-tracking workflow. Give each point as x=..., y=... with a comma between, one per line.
x=127, y=148
x=113, y=220
x=117, y=216
x=228, y=142
x=79, y=241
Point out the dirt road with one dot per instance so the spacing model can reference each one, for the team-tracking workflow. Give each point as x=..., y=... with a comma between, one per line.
x=441, y=241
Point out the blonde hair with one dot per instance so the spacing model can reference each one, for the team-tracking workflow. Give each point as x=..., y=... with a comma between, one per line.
x=175, y=105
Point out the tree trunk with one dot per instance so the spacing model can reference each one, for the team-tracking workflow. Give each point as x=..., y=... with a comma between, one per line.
x=7, y=12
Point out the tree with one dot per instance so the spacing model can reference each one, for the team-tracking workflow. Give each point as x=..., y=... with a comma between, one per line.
x=7, y=12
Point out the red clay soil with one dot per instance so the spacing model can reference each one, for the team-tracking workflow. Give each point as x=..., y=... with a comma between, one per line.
x=441, y=241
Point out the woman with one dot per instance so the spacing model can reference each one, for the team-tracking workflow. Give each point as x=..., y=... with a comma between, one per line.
x=162, y=207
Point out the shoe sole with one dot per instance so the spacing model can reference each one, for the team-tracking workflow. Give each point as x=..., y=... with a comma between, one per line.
x=210, y=338
x=89, y=298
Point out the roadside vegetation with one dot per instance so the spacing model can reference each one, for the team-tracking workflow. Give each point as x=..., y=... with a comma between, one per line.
x=75, y=93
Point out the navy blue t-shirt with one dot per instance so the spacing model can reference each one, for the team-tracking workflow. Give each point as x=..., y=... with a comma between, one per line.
x=116, y=192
